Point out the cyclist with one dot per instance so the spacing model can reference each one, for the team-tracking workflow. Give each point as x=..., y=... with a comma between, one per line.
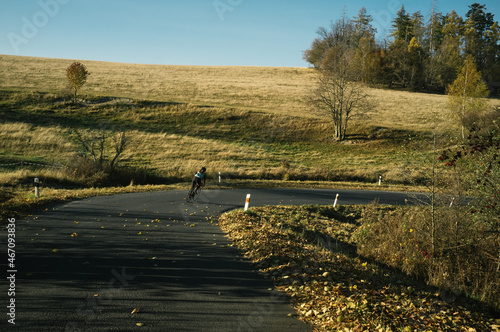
x=198, y=177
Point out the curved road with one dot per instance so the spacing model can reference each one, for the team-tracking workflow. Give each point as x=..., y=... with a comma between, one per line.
x=86, y=265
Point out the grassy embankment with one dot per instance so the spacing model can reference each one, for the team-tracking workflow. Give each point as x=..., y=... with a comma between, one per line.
x=246, y=122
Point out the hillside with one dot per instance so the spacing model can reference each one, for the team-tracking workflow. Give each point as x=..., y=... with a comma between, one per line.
x=247, y=122
x=270, y=89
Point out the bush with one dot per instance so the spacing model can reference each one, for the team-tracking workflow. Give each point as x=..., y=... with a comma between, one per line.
x=454, y=252
x=86, y=172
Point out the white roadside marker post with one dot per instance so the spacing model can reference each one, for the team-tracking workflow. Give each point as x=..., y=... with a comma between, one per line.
x=247, y=202
x=220, y=179
x=336, y=199
x=37, y=187
x=452, y=200
x=379, y=180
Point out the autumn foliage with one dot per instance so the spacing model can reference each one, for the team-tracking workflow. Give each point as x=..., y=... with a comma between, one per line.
x=77, y=76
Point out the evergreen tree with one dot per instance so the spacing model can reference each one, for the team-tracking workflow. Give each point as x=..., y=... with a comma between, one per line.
x=362, y=25
x=434, y=32
x=402, y=25
x=482, y=41
x=416, y=60
x=481, y=20
x=398, y=63
x=417, y=27
x=446, y=60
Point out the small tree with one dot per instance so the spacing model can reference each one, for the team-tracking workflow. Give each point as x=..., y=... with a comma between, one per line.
x=77, y=76
x=466, y=95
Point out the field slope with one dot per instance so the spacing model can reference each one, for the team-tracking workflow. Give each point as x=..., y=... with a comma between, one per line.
x=247, y=122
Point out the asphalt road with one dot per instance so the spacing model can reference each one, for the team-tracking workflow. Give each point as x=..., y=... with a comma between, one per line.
x=86, y=265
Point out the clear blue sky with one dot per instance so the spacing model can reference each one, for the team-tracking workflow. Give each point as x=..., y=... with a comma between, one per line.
x=189, y=32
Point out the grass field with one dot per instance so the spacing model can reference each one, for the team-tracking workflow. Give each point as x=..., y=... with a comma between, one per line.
x=282, y=91
x=246, y=122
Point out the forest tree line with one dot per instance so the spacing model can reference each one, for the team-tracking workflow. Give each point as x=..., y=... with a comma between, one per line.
x=420, y=56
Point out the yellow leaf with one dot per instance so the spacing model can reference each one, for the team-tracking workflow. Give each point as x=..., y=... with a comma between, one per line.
x=136, y=310
x=55, y=250
x=74, y=235
x=139, y=324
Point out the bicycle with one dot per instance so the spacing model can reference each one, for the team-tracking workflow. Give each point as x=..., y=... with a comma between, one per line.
x=193, y=193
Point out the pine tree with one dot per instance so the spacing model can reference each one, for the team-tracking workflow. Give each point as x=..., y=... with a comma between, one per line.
x=402, y=25
x=477, y=30
x=362, y=25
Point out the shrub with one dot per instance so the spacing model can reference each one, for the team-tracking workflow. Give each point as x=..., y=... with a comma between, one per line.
x=455, y=252
x=86, y=172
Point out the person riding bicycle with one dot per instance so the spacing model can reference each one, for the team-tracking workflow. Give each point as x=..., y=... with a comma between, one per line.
x=198, y=177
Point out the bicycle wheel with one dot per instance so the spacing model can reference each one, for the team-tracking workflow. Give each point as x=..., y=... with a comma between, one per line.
x=190, y=195
x=196, y=193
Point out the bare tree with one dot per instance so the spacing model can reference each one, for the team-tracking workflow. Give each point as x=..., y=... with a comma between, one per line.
x=91, y=143
x=120, y=142
x=340, y=93
x=96, y=142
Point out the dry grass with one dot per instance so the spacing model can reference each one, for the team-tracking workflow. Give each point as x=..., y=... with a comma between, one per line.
x=277, y=90
x=259, y=124
x=258, y=88
x=407, y=110
x=26, y=140
x=179, y=156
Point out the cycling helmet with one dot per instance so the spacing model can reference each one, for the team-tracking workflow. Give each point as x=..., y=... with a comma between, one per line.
x=203, y=169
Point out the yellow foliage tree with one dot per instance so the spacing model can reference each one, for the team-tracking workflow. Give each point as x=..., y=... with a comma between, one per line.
x=466, y=95
x=77, y=76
